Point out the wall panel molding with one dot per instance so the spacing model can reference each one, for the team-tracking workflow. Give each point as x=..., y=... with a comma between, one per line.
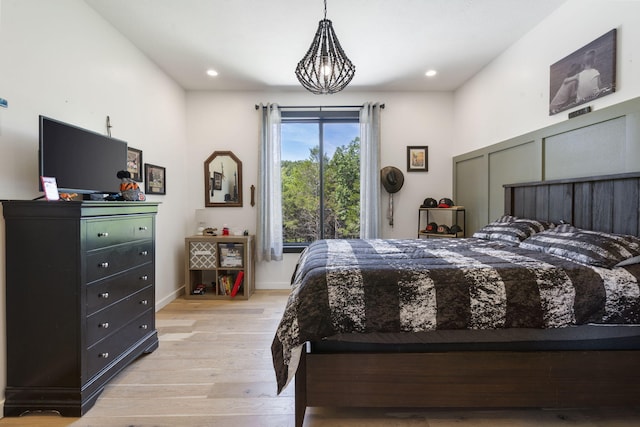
x=602, y=142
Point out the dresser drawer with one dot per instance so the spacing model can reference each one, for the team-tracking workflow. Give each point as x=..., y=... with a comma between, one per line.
x=108, y=232
x=107, y=351
x=102, y=294
x=105, y=322
x=107, y=262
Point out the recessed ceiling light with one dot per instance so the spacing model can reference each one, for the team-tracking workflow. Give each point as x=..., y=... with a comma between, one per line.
x=211, y=72
x=431, y=73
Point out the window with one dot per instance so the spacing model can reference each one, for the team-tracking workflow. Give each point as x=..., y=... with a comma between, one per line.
x=320, y=167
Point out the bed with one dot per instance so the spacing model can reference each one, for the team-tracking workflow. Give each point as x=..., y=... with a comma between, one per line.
x=512, y=317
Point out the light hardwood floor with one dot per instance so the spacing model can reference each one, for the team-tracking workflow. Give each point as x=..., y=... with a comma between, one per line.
x=213, y=368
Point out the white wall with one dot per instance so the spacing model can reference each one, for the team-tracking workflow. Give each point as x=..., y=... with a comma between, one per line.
x=60, y=59
x=510, y=96
x=229, y=121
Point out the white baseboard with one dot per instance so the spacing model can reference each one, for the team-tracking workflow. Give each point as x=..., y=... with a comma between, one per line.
x=166, y=300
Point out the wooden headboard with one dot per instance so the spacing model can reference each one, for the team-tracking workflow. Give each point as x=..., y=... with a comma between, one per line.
x=607, y=203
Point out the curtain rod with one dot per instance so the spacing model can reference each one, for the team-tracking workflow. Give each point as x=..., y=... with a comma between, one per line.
x=320, y=107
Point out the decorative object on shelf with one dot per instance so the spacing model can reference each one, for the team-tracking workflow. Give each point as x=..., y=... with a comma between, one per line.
x=50, y=188
x=325, y=68
x=392, y=180
x=155, y=179
x=417, y=158
x=129, y=189
x=445, y=203
x=210, y=231
x=444, y=229
x=455, y=229
x=134, y=163
x=429, y=202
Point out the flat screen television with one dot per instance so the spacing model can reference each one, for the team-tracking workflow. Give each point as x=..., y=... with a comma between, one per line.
x=80, y=160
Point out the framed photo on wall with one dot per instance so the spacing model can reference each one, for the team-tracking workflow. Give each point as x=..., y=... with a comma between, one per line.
x=155, y=179
x=134, y=163
x=417, y=158
x=586, y=74
x=217, y=181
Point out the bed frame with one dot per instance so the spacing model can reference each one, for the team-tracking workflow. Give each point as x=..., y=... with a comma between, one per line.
x=495, y=379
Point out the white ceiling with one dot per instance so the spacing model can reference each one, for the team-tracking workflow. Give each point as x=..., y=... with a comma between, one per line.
x=256, y=44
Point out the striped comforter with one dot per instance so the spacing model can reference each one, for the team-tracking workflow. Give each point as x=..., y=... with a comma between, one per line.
x=358, y=286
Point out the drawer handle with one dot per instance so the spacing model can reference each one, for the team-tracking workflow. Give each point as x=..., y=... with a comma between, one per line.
x=142, y=228
x=144, y=302
x=103, y=265
x=104, y=295
x=104, y=355
x=145, y=277
x=144, y=253
x=104, y=325
x=144, y=327
x=103, y=234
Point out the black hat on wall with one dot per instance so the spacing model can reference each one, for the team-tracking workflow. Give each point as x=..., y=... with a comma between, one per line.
x=392, y=179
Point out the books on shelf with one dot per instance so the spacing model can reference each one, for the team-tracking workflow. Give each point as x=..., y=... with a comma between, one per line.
x=225, y=284
x=230, y=284
x=237, y=284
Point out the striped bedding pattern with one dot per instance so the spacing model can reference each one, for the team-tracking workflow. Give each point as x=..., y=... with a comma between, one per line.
x=358, y=286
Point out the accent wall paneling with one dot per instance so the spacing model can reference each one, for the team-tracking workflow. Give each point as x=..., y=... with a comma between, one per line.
x=472, y=181
x=604, y=141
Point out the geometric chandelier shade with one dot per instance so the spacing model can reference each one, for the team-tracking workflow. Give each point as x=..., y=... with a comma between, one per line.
x=325, y=68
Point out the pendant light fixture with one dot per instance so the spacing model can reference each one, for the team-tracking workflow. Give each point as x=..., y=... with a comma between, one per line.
x=325, y=68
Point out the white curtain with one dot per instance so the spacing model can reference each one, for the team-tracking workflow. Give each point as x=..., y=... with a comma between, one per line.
x=269, y=234
x=370, y=171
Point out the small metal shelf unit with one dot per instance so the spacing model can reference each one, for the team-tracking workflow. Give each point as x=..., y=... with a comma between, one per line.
x=457, y=216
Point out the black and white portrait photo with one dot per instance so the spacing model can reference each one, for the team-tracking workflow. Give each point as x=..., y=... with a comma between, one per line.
x=586, y=74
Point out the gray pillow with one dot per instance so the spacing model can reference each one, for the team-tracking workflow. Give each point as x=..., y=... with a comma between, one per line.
x=511, y=230
x=586, y=247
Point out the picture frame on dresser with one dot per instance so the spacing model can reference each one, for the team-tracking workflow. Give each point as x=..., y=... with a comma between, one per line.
x=134, y=163
x=155, y=179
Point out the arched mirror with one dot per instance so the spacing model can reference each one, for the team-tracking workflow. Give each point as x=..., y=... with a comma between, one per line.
x=223, y=180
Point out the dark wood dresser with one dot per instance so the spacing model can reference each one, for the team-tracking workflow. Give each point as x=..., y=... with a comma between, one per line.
x=80, y=296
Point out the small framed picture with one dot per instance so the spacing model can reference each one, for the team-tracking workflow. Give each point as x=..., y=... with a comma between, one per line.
x=217, y=181
x=417, y=158
x=134, y=163
x=50, y=188
x=155, y=179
